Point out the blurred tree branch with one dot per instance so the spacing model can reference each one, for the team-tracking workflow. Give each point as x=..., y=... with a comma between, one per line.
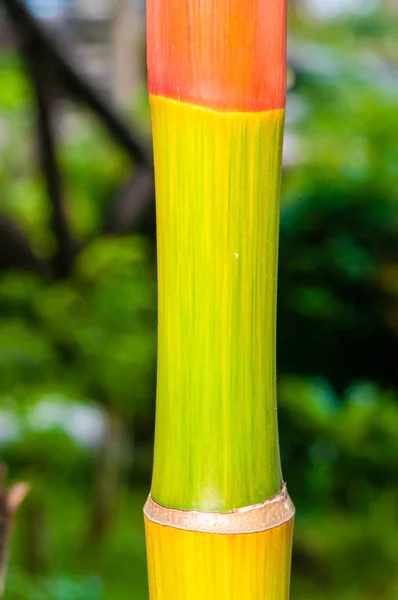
x=134, y=206
x=16, y=252
x=65, y=252
x=68, y=75
x=132, y=210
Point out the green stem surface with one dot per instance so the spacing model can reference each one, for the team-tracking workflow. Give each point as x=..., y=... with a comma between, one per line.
x=218, y=183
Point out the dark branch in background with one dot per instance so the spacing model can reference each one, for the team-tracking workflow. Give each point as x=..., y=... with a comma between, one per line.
x=15, y=250
x=133, y=209
x=65, y=251
x=68, y=74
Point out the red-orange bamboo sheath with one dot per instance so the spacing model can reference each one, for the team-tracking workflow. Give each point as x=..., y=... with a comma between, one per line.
x=223, y=54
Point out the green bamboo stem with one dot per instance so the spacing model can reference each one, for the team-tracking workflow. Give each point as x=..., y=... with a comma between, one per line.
x=219, y=521
x=218, y=181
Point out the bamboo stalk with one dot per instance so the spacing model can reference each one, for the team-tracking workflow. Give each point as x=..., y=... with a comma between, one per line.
x=217, y=88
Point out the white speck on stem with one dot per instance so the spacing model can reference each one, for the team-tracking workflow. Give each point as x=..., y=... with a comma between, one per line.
x=236, y=255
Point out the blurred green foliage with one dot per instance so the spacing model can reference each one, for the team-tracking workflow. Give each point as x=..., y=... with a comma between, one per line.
x=90, y=341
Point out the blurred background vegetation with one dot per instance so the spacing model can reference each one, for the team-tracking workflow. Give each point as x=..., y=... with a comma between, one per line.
x=78, y=343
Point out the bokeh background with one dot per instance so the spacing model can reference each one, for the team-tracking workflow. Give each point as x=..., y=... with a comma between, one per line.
x=78, y=297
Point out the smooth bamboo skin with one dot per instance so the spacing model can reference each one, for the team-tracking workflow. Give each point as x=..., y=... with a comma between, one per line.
x=217, y=184
x=188, y=565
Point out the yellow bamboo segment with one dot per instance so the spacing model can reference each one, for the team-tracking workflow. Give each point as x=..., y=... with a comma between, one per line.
x=189, y=565
x=217, y=186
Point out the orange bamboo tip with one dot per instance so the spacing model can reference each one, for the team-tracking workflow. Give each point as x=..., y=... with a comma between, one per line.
x=251, y=519
x=222, y=54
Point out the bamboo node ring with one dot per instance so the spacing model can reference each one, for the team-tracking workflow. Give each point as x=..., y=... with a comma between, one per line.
x=250, y=519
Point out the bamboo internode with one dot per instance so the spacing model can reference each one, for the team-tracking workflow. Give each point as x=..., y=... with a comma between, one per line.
x=217, y=186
